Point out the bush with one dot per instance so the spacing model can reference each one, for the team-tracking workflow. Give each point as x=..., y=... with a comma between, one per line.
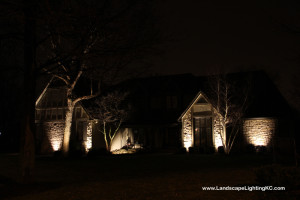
x=276, y=175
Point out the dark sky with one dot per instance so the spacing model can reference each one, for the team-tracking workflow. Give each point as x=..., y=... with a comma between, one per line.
x=220, y=37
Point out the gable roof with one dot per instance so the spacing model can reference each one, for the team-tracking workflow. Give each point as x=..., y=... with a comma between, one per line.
x=43, y=92
x=195, y=100
x=266, y=100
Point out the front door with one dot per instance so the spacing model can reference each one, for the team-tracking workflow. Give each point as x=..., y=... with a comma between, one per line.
x=202, y=132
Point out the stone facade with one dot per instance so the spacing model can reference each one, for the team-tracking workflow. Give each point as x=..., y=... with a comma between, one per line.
x=187, y=130
x=55, y=133
x=88, y=141
x=217, y=130
x=259, y=131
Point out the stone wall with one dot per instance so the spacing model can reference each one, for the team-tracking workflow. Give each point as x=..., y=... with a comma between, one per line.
x=88, y=141
x=218, y=129
x=54, y=132
x=187, y=130
x=259, y=131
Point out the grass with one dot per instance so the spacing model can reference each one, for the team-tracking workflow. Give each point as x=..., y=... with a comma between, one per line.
x=152, y=176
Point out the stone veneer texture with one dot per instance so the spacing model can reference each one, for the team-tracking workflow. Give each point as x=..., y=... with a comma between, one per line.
x=55, y=133
x=259, y=131
x=187, y=130
x=88, y=142
x=218, y=129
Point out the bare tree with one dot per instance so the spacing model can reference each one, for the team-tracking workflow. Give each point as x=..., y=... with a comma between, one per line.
x=95, y=39
x=229, y=101
x=111, y=114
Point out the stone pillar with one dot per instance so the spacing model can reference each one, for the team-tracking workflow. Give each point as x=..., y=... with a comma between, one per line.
x=187, y=133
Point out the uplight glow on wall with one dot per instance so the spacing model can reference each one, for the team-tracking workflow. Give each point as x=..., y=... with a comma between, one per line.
x=187, y=130
x=55, y=133
x=259, y=131
x=217, y=131
x=88, y=142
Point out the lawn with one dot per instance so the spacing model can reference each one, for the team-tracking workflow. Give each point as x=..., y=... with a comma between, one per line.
x=151, y=176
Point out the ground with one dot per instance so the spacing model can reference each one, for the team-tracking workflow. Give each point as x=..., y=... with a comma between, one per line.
x=151, y=176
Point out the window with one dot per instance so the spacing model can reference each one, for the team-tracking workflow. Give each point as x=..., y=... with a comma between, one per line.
x=37, y=114
x=43, y=114
x=54, y=103
x=59, y=113
x=48, y=114
x=60, y=103
x=78, y=112
x=54, y=113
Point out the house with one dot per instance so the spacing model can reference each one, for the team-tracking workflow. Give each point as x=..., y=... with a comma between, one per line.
x=50, y=112
x=166, y=113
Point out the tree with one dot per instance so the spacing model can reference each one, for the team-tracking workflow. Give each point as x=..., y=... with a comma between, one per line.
x=18, y=27
x=28, y=131
x=95, y=39
x=229, y=101
x=111, y=114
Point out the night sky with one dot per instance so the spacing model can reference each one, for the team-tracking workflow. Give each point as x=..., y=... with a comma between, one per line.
x=212, y=37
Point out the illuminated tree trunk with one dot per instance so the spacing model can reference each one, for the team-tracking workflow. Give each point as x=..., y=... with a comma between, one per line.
x=69, y=114
x=108, y=141
x=68, y=125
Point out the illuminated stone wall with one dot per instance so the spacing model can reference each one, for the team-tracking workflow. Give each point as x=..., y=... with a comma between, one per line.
x=88, y=141
x=187, y=130
x=218, y=129
x=259, y=131
x=55, y=132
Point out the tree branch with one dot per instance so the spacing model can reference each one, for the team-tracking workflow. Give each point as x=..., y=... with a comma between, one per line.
x=76, y=79
x=86, y=97
x=57, y=76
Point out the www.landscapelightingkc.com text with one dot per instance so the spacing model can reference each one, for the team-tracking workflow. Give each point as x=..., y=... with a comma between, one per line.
x=243, y=188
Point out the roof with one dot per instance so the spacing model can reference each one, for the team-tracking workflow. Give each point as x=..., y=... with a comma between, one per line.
x=265, y=99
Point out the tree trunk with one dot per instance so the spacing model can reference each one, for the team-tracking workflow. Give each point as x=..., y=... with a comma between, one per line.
x=68, y=125
x=27, y=149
